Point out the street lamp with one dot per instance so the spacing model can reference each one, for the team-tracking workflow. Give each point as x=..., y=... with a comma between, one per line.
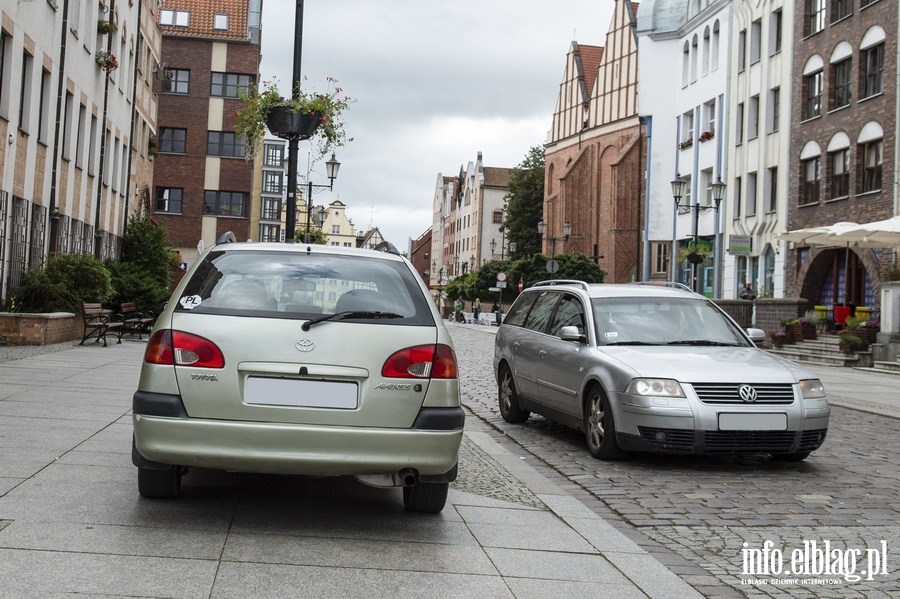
x=718, y=193
x=471, y=263
x=332, y=167
x=678, y=185
x=567, y=231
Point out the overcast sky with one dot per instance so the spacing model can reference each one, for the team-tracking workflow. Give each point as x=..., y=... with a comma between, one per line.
x=434, y=83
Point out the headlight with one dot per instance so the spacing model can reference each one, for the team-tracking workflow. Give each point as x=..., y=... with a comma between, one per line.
x=657, y=387
x=812, y=388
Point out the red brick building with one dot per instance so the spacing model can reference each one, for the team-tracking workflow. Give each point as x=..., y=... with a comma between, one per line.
x=594, y=155
x=843, y=143
x=202, y=183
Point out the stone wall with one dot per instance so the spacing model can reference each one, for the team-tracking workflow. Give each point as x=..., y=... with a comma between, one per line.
x=39, y=329
x=769, y=312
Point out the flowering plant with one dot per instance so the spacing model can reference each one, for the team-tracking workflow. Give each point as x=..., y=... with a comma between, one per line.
x=686, y=144
x=104, y=26
x=871, y=324
x=802, y=320
x=780, y=334
x=107, y=61
x=329, y=106
x=707, y=135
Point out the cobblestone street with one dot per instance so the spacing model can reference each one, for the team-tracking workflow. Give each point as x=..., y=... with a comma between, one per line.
x=695, y=514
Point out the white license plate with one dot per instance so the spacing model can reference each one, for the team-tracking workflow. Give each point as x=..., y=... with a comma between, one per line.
x=301, y=393
x=752, y=422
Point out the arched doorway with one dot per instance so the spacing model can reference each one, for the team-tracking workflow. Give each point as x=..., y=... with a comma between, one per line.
x=838, y=277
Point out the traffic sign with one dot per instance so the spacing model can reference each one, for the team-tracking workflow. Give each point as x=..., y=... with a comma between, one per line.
x=552, y=266
x=501, y=284
x=521, y=284
x=501, y=277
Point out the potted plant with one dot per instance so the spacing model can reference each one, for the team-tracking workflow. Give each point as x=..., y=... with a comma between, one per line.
x=695, y=253
x=305, y=115
x=781, y=338
x=850, y=343
x=864, y=329
x=106, y=61
x=686, y=144
x=707, y=135
x=104, y=26
x=151, y=149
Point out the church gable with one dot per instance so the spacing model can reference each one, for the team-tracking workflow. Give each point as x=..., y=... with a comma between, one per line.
x=614, y=96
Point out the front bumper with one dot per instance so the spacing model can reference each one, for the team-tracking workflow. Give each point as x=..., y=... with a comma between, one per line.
x=168, y=436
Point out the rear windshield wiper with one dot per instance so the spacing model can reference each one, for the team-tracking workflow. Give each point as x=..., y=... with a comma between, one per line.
x=344, y=315
x=702, y=342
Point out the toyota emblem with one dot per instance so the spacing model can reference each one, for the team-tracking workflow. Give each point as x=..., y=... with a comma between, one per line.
x=305, y=345
x=747, y=393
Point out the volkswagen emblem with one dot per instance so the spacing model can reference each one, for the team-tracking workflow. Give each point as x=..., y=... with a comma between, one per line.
x=747, y=393
x=305, y=345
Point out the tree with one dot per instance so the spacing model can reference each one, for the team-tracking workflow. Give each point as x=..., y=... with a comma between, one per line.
x=315, y=236
x=525, y=204
x=144, y=275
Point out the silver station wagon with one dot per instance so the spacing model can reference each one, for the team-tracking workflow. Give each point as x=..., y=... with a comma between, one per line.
x=300, y=359
x=650, y=368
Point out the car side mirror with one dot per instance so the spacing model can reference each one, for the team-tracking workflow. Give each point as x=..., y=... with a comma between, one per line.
x=757, y=336
x=571, y=333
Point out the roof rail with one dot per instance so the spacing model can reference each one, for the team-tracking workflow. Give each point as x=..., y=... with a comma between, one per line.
x=226, y=237
x=551, y=282
x=673, y=284
x=386, y=246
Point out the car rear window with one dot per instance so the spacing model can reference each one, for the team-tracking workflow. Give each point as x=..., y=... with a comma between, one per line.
x=303, y=286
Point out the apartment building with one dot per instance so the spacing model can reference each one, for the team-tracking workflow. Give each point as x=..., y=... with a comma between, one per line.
x=202, y=182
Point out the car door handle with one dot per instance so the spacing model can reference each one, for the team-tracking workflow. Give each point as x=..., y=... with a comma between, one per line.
x=542, y=353
x=515, y=345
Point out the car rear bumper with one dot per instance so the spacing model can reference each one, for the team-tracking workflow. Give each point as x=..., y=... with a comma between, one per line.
x=168, y=436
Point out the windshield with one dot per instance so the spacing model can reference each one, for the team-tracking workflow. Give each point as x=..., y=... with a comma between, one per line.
x=662, y=321
x=304, y=286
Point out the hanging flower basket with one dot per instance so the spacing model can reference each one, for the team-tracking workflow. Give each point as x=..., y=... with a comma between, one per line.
x=104, y=26
x=286, y=123
x=106, y=61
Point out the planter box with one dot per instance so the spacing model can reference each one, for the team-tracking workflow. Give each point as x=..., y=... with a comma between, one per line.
x=867, y=334
x=287, y=124
x=803, y=332
x=39, y=329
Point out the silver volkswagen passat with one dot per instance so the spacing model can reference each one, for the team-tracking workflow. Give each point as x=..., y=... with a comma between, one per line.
x=651, y=368
x=300, y=359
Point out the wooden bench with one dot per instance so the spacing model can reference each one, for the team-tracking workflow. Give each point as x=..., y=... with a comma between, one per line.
x=98, y=322
x=134, y=321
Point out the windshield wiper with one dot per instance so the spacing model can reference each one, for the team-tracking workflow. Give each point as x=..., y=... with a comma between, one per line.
x=702, y=342
x=631, y=343
x=344, y=315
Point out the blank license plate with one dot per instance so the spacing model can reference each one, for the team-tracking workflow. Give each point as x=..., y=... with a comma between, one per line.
x=752, y=422
x=301, y=394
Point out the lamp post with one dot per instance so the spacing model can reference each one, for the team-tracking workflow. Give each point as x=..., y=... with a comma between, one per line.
x=332, y=167
x=502, y=242
x=471, y=263
x=718, y=192
x=678, y=185
x=567, y=231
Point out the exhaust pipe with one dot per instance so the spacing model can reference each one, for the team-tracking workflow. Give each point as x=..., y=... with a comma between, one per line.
x=407, y=477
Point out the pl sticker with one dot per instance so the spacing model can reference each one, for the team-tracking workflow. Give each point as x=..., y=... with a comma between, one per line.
x=189, y=302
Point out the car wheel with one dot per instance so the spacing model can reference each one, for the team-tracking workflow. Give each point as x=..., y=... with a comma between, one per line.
x=425, y=497
x=791, y=457
x=159, y=484
x=599, y=427
x=509, y=399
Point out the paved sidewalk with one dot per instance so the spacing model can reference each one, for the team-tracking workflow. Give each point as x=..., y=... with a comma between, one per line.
x=71, y=520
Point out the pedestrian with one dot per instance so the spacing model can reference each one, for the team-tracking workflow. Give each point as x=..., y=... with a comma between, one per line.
x=476, y=309
x=747, y=292
x=458, y=309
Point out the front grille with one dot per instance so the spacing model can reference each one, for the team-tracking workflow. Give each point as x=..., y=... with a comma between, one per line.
x=729, y=393
x=678, y=439
x=810, y=440
x=750, y=441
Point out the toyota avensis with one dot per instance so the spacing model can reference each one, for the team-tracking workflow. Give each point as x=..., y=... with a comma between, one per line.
x=300, y=359
x=640, y=367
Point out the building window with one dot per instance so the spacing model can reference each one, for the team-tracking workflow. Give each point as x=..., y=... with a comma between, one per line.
x=220, y=22
x=272, y=182
x=753, y=118
x=774, y=109
x=776, y=24
x=840, y=75
x=865, y=3
x=739, y=125
x=660, y=258
x=742, y=50
x=738, y=193
x=269, y=233
x=809, y=188
x=841, y=9
x=271, y=208
x=871, y=154
x=815, y=16
x=168, y=199
x=771, y=198
x=335, y=229
x=755, y=41
x=229, y=85
x=4, y=92
x=176, y=18
x=274, y=155
x=172, y=141
x=873, y=74
x=498, y=217
x=176, y=81
x=223, y=143
x=223, y=203
x=686, y=64
x=750, y=207
x=812, y=87
x=839, y=163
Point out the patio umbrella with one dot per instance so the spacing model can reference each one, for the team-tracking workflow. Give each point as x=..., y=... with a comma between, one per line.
x=829, y=235
x=878, y=234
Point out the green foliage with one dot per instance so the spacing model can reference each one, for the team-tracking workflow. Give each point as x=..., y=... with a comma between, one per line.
x=144, y=274
x=525, y=204
x=62, y=285
x=315, y=236
x=39, y=293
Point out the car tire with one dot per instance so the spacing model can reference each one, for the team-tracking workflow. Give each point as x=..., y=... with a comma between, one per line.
x=159, y=484
x=508, y=398
x=791, y=457
x=599, y=427
x=428, y=498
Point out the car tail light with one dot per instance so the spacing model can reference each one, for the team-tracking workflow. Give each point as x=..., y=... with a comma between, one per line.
x=422, y=362
x=176, y=348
